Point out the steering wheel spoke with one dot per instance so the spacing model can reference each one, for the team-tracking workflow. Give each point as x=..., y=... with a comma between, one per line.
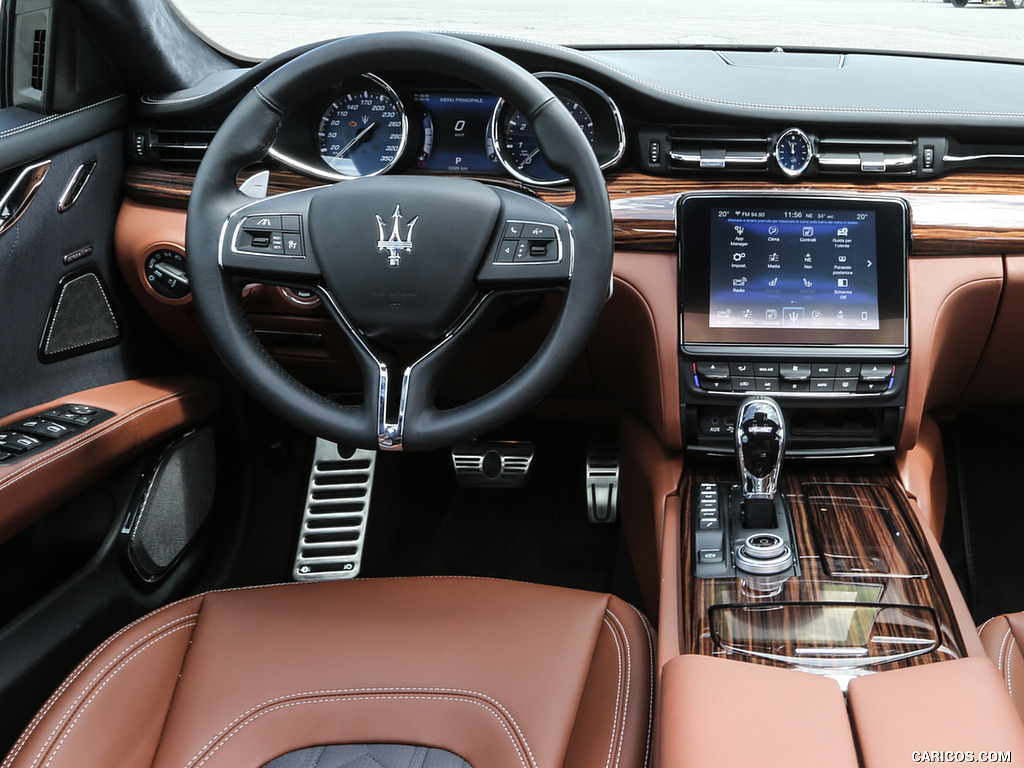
x=269, y=239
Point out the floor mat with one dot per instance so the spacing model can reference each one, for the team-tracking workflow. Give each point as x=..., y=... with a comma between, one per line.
x=424, y=524
x=987, y=499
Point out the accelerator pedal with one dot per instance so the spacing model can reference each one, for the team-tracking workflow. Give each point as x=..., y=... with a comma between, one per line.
x=602, y=478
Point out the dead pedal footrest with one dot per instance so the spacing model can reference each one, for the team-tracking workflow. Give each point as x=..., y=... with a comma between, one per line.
x=334, y=520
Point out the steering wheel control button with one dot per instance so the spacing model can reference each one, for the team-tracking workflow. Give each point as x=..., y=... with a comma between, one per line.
x=271, y=235
x=506, y=252
x=513, y=230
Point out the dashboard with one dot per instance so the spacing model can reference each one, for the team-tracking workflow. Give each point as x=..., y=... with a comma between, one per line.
x=863, y=142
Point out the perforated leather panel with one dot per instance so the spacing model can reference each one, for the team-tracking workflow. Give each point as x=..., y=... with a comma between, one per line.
x=369, y=756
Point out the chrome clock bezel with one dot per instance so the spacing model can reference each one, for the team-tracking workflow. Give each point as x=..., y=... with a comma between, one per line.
x=793, y=172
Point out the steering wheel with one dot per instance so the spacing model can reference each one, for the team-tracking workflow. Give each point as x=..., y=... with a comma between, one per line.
x=400, y=262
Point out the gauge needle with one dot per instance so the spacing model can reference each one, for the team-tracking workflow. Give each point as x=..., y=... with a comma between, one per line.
x=358, y=137
x=529, y=158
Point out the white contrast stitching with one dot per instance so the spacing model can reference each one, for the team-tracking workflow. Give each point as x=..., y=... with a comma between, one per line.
x=347, y=691
x=629, y=674
x=36, y=123
x=77, y=671
x=650, y=664
x=1009, y=658
x=106, y=428
x=110, y=677
x=337, y=699
x=88, y=686
x=1002, y=647
x=619, y=689
x=56, y=314
x=985, y=624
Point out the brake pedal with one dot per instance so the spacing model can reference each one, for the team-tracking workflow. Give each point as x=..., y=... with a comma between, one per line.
x=492, y=464
x=337, y=508
x=602, y=479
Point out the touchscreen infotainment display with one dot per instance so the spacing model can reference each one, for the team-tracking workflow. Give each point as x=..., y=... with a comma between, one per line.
x=797, y=267
x=785, y=270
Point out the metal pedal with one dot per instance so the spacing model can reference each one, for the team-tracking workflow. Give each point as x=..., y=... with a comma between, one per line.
x=602, y=479
x=337, y=508
x=492, y=464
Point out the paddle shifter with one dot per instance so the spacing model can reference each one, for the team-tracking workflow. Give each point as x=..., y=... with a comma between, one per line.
x=760, y=443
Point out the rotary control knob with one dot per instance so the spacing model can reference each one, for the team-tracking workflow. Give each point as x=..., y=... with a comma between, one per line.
x=165, y=273
x=763, y=554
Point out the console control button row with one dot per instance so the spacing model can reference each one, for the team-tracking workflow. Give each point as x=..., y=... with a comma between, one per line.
x=43, y=430
x=762, y=376
x=710, y=538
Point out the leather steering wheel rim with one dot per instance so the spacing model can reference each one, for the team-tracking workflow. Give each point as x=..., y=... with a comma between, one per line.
x=245, y=138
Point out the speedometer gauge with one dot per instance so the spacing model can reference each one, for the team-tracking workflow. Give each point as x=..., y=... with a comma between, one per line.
x=364, y=132
x=517, y=146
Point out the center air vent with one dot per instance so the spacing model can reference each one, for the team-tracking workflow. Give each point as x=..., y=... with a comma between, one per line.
x=712, y=149
x=838, y=155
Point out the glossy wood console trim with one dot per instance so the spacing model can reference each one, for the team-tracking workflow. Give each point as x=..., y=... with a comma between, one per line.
x=145, y=411
x=976, y=213
x=699, y=594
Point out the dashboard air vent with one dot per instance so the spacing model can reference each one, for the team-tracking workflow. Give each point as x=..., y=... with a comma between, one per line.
x=38, y=59
x=866, y=155
x=172, y=144
x=717, y=150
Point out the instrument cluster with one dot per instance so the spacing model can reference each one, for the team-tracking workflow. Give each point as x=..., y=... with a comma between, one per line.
x=366, y=126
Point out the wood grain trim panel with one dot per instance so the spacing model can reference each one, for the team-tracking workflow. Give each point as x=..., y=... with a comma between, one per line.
x=934, y=592
x=978, y=213
x=145, y=411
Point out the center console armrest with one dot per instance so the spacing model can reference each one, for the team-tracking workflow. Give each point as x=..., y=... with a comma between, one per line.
x=954, y=707
x=720, y=712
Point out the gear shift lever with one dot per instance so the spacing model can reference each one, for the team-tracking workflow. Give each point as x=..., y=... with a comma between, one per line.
x=760, y=443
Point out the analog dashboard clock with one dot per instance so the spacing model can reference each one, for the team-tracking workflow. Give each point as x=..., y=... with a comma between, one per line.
x=793, y=151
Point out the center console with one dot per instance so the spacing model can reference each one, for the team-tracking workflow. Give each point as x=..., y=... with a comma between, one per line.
x=801, y=297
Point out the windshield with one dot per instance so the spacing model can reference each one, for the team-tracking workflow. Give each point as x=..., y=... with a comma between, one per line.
x=976, y=28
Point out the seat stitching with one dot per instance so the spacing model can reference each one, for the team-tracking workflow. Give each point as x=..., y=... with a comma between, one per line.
x=1009, y=658
x=619, y=689
x=650, y=664
x=1002, y=647
x=629, y=674
x=77, y=671
x=85, y=691
x=985, y=624
x=110, y=677
x=336, y=699
x=348, y=691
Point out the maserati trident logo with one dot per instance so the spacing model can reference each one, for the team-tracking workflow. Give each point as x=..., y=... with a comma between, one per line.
x=395, y=245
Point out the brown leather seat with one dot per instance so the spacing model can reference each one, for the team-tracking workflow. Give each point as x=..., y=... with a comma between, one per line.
x=499, y=673
x=1002, y=637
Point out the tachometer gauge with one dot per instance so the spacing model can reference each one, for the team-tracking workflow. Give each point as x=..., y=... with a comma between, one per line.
x=793, y=152
x=364, y=132
x=517, y=147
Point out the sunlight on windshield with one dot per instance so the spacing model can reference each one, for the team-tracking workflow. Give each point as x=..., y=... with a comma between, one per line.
x=985, y=28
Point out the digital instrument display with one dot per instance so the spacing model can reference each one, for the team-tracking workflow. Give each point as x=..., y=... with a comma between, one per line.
x=793, y=270
x=456, y=132
x=797, y=267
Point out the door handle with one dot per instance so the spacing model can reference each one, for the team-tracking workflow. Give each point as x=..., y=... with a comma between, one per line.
x=18, y=196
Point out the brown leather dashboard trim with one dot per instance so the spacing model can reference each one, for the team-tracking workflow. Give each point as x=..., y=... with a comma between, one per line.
x=980, y=213
x=145, y=410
